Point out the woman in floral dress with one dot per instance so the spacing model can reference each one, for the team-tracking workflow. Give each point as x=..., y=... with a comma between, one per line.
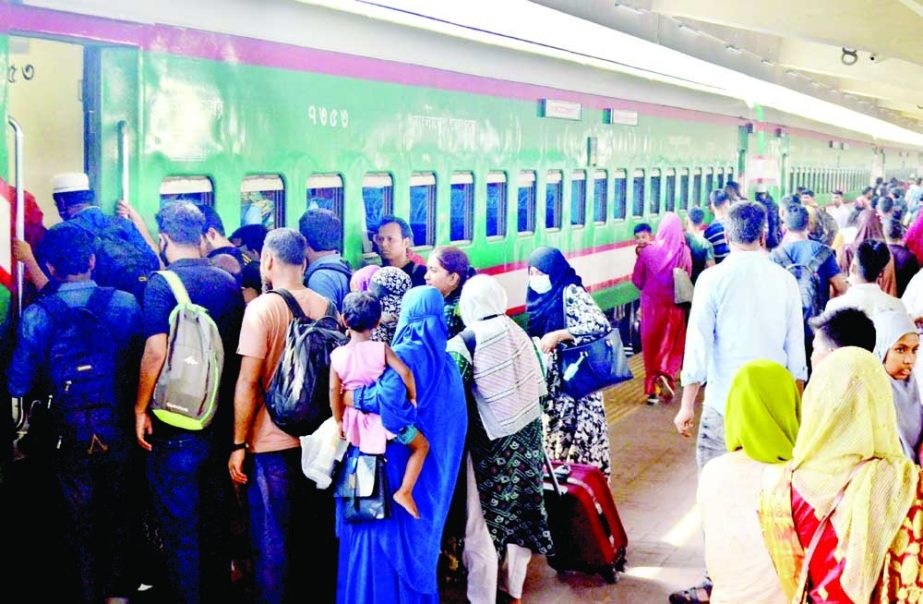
x=560, y=310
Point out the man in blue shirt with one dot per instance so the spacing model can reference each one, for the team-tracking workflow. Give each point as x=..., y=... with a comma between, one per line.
x=90, y=335
x=224, y=254
x=328, y=273
x=715, y=232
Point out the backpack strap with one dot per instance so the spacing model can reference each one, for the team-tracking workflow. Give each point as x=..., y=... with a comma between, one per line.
x=176, y=286
x=56, y=308
x=99, y=301
x=468, y=338
x=819, y=258
x=290, y=300
x=331, y=310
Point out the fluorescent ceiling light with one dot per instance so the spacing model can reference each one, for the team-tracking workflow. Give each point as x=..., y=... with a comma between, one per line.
x=524, y=26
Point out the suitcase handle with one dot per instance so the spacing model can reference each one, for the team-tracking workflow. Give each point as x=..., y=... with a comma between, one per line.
x=554, y=479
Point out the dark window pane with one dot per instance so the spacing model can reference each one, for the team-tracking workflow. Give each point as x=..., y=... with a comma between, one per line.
x=461, y=210
x=328, y=198
x=496, y=209
x=526, y=208
x=637, y=196
x=671, y=192
x=709, y=183
x=697, y=190
x=655, y=194
x=422, y=214
x=553, y=194
x=684, y=191
x=578, y=201
x=620, y=192
x=600, y=200
x=262, y=207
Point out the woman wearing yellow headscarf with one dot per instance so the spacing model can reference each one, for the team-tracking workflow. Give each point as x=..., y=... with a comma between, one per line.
x=761, y=424
x=848, y=468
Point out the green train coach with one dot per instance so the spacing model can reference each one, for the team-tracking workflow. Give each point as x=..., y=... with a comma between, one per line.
x=263, y=109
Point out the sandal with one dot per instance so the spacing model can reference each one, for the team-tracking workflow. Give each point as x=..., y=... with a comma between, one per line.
x=699, y=594
x=666, y=389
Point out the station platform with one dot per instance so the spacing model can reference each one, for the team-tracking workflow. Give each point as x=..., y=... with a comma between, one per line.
x=653, y=481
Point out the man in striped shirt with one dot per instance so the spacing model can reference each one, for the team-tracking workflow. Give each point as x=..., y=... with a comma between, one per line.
x=715, y=234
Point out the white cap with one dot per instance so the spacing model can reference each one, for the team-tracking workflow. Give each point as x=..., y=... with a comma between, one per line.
x=69, y=182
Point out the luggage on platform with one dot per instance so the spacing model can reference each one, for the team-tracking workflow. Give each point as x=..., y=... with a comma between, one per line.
x=585, y=526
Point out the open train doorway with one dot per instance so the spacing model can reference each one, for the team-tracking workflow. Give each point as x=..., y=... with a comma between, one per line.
x=46, y=97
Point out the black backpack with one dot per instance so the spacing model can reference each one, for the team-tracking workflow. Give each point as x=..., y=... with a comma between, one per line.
x=813, y=297
x=298, y=398
x=85, y=408
x=121, y=263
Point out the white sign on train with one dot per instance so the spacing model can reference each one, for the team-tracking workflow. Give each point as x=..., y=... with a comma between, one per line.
x=621, y=116
x=565, y=110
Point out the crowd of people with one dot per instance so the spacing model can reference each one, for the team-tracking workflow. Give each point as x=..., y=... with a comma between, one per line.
x=808, y=440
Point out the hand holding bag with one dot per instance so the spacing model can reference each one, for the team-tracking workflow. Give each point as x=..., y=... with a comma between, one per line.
x=363, y=485
x=682, y=286
x=593, y=367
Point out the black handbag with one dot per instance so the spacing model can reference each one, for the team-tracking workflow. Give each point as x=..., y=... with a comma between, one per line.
x=363, y=486
x=592, y=367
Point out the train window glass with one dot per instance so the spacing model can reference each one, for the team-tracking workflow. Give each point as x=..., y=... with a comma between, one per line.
x=697, y=187
x=655, y=191
x=262, y=201
x=194, y=189
x=720, y=178
x=730, y=174
x=496, y=204
x=423, y=208
x=670, y=192
x=378, y=199
x=709, y=182
x=637, y=193
x=684, y=188
x=461, y=207
x=325, y=191
x=600, y=196
x=578, y=198
x=620, y=194
x=525, y=208
x=791, y=181
x=554, y=191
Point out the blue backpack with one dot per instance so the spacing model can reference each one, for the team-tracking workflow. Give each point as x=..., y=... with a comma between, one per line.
x=120, y=262
x=83, y=405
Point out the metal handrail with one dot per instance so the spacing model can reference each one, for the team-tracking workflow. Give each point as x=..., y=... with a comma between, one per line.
x=124, y=158
x=19, y=415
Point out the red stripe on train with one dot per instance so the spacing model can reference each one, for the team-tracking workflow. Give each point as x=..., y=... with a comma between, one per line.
x=509, y=267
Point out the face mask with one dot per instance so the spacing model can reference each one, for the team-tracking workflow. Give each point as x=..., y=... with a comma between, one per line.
x=540, y=284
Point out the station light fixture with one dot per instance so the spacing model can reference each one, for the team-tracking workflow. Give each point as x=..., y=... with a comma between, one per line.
x=529, y=27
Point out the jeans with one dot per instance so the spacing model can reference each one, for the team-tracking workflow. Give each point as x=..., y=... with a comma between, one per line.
x=710, y=442
x=288, y=519
x=94, y=490
x=188, y=491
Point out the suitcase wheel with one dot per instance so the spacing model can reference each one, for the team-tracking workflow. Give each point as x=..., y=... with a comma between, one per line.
x=609, y=574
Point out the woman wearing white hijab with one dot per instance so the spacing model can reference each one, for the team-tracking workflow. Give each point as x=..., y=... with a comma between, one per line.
x=504, y=384
x=897, y=344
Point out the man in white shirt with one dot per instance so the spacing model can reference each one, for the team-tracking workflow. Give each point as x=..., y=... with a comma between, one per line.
x=744, y=309
x=840, y=210
x=870, y=259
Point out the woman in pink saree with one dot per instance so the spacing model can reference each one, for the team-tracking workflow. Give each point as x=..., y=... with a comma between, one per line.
x=663, y=323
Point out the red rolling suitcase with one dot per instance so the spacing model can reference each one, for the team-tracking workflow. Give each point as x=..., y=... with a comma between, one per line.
x=585, y=526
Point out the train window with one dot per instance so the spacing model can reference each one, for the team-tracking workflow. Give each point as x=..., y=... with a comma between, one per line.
x=194, y=189
x=620, y=194
x=578, y=198
x=684, y=188
x=720, y=178
x=423, y=208
x=670, y=202
x=378, y=199
x=709, y=182
x=496, y=204
x=461, y=207
x=554, y=191
x=697, y=187
x=637, y=193
x=262, y=201
x=791, y=181
x=526, y=203
x=600, y=196
x=325, y=191
x=730, y=175
x=655, y=191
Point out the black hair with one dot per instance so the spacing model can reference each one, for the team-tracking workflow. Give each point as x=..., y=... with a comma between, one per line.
x=643, y=227
x=746, y=222
x=872, y=257
x=322, y=230
x=894, y=229
x=846, y=327
x=287, y=245
x=361, y=311
x=454, y=260
x=796, y=217
x=251, y=236
x=212, y=220
x=867, y=190
x=182, y=222
x=853, y=218
x=732, y=185
x=68, y=249
x=884, y=204
x=406, y=233
x=808, y=192
x=837, y=192
x=69, y=199
x=696, y=215
x=718, y=198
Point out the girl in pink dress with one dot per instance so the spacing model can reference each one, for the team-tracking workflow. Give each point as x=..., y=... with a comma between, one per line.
x=360, y=363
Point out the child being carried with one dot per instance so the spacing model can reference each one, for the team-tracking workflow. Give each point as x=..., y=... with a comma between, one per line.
x=360, y=363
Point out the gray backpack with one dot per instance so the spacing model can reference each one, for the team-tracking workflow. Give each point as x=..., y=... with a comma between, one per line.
x=186, y=394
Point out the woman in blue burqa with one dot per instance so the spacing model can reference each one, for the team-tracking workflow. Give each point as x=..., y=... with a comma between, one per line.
x=395, y=560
